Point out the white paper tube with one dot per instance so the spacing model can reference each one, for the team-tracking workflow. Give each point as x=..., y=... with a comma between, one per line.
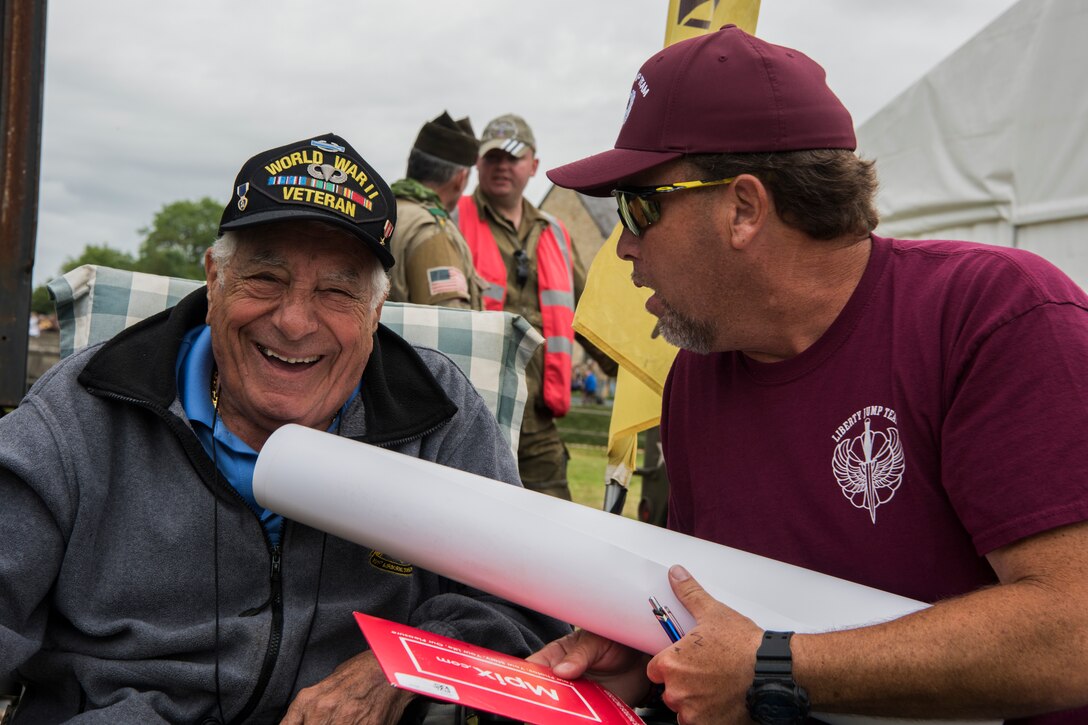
x=584, y=566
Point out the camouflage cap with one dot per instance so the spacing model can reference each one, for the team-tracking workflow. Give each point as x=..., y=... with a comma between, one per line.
x=510, y=133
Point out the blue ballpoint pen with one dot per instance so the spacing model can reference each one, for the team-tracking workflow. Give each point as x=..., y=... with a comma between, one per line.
x=665, y=618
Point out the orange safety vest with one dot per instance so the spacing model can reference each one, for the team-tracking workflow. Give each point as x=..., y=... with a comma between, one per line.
x=555, y=279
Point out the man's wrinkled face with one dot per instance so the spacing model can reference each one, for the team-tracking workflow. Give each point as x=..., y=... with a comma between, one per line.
x=292, y=320
x=504, y=176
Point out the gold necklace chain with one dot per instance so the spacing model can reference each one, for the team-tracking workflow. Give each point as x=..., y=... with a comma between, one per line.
x=214, y=390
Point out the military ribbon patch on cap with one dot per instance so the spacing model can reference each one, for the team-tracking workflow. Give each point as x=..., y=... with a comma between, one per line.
x=302, y=192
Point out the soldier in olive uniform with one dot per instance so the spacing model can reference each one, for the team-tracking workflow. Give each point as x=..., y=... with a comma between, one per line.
x=533, y=270
x=434, y=265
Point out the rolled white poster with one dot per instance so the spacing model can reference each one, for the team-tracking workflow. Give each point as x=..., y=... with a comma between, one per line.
x=584, y=566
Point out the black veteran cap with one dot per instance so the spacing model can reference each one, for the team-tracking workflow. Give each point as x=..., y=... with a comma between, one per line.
x=449, y=140
x=320, y=179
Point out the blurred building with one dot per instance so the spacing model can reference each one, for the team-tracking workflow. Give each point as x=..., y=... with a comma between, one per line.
x=589, y=219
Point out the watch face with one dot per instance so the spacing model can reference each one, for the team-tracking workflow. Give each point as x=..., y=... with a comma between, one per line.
x=777, y=710
x=777, y=704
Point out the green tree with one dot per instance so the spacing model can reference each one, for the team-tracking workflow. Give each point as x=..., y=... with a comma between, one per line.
x=173, y=245
x=175, y=242
x=101, y=254
x=41, y=302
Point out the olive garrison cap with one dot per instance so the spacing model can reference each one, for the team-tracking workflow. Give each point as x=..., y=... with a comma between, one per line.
x=449, y=140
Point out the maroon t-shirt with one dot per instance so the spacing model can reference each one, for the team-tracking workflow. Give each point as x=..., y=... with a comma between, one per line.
x=942, y=415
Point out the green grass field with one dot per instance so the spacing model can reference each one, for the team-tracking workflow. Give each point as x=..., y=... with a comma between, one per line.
x=585, y=431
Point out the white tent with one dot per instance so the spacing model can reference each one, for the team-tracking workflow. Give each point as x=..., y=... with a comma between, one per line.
x=992, y=144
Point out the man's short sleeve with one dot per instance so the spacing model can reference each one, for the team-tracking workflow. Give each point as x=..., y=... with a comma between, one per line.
x=1014, y=457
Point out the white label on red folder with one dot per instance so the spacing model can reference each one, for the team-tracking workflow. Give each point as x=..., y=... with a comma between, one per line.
x=455, y=671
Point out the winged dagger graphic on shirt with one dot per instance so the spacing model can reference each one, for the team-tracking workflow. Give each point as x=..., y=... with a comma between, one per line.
x=869, y=466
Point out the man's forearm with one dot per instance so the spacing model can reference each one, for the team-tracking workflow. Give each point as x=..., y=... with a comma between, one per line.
x=1014, y=649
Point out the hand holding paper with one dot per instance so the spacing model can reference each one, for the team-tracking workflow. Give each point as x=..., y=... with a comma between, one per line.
x=479, y=678
x=584, y=654
x=598, y=571
x=696, y=669
x=708, y=672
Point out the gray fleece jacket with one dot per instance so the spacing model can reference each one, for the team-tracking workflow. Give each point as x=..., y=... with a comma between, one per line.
x=137, y=586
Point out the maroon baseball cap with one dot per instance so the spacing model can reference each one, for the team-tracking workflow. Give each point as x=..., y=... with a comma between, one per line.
x=725, y=92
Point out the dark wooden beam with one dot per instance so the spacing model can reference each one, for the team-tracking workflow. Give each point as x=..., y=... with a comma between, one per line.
x=22, y=78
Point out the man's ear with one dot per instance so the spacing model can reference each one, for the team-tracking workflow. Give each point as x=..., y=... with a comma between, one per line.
x=211, y=272
x=461, y=178
x=377, y=315
x=211, y=275
x=750, y=210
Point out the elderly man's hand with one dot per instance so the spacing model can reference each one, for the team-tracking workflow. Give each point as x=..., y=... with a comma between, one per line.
x=708, y=672
x=356, y=692
x=618, y=668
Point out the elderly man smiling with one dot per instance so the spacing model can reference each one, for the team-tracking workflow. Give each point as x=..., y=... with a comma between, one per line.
x=140, y=581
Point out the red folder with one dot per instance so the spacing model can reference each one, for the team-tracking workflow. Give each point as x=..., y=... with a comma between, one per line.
x=454, y=671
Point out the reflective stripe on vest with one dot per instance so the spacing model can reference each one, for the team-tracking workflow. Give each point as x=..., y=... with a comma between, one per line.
x=555, y=280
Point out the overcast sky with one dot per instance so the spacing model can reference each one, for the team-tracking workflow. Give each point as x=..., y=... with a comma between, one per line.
x=148, y=103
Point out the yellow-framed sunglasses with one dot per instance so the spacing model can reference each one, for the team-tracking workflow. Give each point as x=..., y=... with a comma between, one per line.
x=637, y=208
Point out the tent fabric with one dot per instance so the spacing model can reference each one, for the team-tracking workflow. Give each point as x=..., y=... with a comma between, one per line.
x=992, y=144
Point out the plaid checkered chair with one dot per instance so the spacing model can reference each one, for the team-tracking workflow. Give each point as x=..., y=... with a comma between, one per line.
x=94, y=303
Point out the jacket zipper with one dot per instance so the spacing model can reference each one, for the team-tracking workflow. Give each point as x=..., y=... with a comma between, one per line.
x=275, y=638
x=276, y=594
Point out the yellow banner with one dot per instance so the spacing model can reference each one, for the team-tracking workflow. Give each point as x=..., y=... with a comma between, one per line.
x=688, y=18
x=612, y=314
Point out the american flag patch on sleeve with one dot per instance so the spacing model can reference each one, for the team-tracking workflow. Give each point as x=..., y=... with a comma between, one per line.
x=447, y=279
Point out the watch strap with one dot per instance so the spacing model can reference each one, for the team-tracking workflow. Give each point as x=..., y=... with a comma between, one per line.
x=774, y=657
x=774, y=698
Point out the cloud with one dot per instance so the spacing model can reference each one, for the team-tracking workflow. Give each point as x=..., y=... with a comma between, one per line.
x=147, y=103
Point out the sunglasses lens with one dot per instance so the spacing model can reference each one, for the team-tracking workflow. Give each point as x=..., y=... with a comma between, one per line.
x=635, y=212
x=625, y=215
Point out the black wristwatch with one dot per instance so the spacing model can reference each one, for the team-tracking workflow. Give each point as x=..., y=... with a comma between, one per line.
x=774, y=698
